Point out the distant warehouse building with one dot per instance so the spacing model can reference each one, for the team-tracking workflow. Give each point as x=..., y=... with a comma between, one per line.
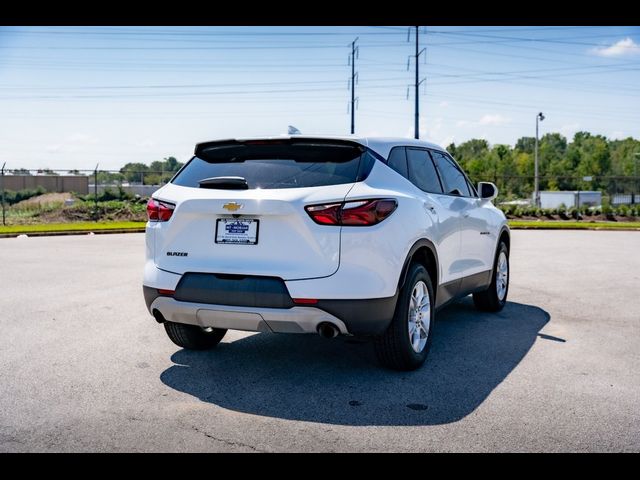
x=570, y=198
x=142, y=190
x=51, y=183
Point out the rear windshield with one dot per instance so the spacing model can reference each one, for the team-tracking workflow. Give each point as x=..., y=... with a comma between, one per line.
x=279, y=166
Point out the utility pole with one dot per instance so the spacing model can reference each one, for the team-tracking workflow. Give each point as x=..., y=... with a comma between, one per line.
x=354, y=77
x=2, y=178
x=536, y=190
x=417, y=108
x=417, y=82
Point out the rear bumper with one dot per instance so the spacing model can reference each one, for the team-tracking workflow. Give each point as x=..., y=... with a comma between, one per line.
x=253, y=319
x=352, y=317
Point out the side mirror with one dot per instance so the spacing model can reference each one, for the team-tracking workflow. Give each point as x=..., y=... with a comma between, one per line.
x=487, y=190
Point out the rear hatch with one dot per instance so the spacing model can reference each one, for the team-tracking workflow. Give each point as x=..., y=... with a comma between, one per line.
x=240, y=207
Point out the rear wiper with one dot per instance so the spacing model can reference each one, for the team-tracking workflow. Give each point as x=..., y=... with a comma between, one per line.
x=224, y=183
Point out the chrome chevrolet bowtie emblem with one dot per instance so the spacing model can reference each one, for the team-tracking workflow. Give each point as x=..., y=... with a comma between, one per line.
x=232, y=206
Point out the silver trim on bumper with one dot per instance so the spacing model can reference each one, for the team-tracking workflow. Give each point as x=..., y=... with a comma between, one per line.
x=278, y=320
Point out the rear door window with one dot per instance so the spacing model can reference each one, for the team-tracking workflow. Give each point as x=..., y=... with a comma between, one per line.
x=279, y=165
x=422, y=172
x=455, y=183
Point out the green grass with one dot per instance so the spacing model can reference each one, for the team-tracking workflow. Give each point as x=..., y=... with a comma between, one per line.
x=71, y=227
x=516, y=224
x=568, y=224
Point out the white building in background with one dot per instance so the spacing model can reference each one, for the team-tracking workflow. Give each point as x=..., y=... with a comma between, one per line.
x=570, y=198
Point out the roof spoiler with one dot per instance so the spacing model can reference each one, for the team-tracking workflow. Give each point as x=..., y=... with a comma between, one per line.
x=206, y=148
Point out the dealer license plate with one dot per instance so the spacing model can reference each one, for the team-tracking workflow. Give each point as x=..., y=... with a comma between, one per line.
x=237, y=231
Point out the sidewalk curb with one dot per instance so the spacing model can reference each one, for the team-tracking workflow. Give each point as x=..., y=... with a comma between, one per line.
x=534, y=227
x=73, y=232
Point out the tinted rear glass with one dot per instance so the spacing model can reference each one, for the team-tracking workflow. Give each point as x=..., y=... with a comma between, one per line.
x=280, y=166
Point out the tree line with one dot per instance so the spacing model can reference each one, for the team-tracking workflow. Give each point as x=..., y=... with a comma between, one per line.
x=563, y=165
x=159, y=171
x=587, y=162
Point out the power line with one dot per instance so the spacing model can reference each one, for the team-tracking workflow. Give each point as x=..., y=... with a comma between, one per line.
x=188, y=94
x=195, y=34
x=558, y=40
x=203, y=85
x=231, y=47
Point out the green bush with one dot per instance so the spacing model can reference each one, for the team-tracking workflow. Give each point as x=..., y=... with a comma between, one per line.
x=107, y=210
x=12, y=197
x=574, y=212
x=622, y=210
x=508, y=209
x=107, y=195
x=527, y=210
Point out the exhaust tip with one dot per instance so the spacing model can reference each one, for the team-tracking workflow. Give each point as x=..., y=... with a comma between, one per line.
x=328, y=330
x=158, y=316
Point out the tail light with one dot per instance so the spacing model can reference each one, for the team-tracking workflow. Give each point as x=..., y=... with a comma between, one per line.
x=357, y=213
x=305, y=301
x=158, y=211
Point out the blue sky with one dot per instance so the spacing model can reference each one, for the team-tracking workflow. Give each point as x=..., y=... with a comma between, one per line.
x=72, y=97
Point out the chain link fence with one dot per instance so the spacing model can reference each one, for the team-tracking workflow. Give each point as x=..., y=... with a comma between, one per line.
x=62, y=195
x=615, y=190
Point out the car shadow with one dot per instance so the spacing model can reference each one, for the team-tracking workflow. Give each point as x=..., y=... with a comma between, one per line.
x=306, y=377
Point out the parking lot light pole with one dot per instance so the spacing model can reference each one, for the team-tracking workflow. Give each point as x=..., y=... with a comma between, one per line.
x=2, y=179
x=636, y=190
x=95, y=190
x=536, y=197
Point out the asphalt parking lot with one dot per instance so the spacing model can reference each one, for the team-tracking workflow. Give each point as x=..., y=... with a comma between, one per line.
x=84, y=367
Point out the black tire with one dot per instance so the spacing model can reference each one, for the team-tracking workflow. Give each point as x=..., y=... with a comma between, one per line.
x=393, y=348
x=193, y=337
x=488, y=300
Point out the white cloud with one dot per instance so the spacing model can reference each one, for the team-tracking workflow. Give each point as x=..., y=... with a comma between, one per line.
x=76, y=142
x=53, y=148
x=488, y=119
x=146, y=143
x=443, y=104
x=446, y=140
x=569, y=129
x=81, y=138
x=618, y=135
x=493, y=120
x=432, y=129
x=618, y=49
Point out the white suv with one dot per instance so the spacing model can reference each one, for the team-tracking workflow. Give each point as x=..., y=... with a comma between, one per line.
x=328, y=235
